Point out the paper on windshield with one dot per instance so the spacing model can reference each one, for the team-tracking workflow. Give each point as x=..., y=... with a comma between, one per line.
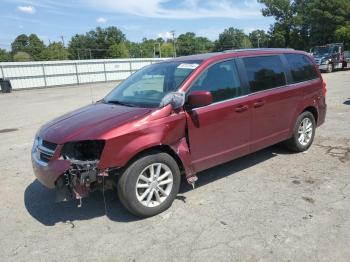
x=188, y=66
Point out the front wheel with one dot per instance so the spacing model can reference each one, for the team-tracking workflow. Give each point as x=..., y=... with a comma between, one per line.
x=303, y=133
x=150, y=184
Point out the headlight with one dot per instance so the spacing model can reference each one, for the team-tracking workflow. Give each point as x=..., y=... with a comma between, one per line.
x=37, y=141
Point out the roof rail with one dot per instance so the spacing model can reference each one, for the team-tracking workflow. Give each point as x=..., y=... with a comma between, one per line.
x=254, y=49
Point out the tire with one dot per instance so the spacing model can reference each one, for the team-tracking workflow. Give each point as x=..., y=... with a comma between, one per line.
x=137, y=200
x=345, y=65
x=330, y=68
x=296, y=143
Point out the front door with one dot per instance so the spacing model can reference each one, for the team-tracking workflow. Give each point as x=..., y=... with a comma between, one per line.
x=219, y=132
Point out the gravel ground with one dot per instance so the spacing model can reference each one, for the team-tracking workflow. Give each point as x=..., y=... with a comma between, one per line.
x=268, y=206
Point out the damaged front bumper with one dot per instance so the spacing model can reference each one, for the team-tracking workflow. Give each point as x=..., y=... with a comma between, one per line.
x=46, y=165
x=48, y=174
x=54, y=167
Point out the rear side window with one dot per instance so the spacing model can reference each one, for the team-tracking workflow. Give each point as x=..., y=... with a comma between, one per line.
x=221, y=80
x=264, y=72
x=301, y=68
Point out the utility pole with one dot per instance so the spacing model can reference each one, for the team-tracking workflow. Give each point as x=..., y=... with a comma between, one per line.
x=174, y=45
x=62, y=37
x=258, y=42
x=159, y=49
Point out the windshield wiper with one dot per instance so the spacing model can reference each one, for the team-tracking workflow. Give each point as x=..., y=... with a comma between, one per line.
x=116, y=102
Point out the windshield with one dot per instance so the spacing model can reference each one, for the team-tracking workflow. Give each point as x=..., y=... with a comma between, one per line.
x=321, y=50
x=148, y=86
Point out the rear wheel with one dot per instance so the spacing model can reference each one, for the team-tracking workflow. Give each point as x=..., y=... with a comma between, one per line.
x=345, y=65
x=150, y=184
x=330, y=68
x=303, y=133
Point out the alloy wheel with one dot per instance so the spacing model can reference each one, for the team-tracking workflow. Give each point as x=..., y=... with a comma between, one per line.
x=154, y=184
x=305, y=132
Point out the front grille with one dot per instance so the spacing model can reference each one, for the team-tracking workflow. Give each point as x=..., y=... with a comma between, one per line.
x=49, y=145
x=45, y=150
x=45, y=157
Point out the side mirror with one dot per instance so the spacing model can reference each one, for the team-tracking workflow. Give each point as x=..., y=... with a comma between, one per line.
x=175, y=99
x=199, y=99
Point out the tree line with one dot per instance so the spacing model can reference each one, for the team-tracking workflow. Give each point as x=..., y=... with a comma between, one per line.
x=299, y=24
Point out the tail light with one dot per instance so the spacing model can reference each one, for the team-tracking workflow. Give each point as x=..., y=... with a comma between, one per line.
x=324, y=88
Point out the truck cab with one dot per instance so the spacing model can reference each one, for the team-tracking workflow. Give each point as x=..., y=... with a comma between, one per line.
x=329, y=57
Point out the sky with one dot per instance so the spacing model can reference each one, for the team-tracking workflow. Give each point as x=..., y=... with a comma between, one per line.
x=53, y=19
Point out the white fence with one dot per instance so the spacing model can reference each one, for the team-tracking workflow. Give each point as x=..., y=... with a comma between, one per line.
x=72, y=72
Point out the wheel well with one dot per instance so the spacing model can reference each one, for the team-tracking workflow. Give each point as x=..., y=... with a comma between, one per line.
x=159, y=149
x=312, y=110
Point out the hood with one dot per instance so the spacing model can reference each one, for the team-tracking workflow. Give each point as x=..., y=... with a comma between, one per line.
x=321, y=56
x=89, y=122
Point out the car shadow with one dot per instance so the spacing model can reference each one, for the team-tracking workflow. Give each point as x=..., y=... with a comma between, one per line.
x=234, y=166
x=40, y=201
x=347, y=102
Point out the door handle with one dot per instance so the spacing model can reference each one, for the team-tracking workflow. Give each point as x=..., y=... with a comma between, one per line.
x=241, y=108
x=259, y=103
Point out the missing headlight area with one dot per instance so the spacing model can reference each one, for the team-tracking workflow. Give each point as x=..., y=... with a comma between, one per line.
x=83, y=176
x=89, y=150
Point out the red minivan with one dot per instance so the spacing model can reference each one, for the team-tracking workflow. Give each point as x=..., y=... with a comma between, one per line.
x=180, y=117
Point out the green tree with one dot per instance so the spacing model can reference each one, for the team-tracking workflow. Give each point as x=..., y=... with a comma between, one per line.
x=167, y=49
x=133, y=49
x=189, y=44
x=232, y=38
x=186, y=44
x=54, y=51
x=259, y=38
x=20, y=43
x=95, y=43
x=79, y=46
x=4, y=56
x=29, y=44
x=342, y=35
x=284, y=12
x=147, y=47
x=325, y=17
x=302, y=24
x=118, y=51
x=277, y=39
x=21, y=57
x=203, y=45
x=35, y=47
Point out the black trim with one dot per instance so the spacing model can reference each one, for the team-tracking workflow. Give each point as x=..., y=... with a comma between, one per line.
x=287, y=70
x=243, y=76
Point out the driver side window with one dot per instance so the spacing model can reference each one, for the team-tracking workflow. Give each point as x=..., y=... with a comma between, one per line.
x=221, y=80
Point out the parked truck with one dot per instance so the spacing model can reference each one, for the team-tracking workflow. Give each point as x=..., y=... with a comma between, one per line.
x=329, y=57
